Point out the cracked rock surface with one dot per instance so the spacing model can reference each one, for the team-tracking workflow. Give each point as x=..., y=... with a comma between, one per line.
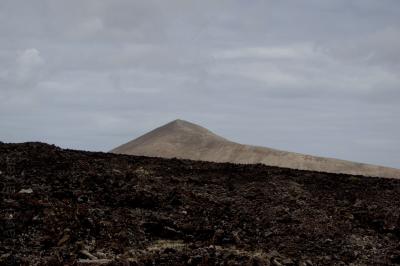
x=66, y=207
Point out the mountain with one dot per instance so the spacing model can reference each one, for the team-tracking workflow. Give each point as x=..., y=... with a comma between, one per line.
x=185, y=140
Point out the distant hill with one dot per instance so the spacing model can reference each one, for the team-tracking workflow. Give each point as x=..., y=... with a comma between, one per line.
x=182, y=139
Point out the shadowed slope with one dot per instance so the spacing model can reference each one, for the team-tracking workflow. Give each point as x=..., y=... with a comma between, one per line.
x=182, y=139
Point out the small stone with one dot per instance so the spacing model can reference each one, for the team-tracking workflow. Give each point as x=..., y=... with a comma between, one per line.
x=116, y=171
x=88, y=255
x=64, y=239
x=287, y=262
x=276, y=262
x=274, y=253
x=83, y=199
x=93, y=262
x=26, y=191
x=268, y=233
x=195, y=260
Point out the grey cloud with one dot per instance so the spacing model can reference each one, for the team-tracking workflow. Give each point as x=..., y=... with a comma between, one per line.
x=381, y=47
x=310, y=76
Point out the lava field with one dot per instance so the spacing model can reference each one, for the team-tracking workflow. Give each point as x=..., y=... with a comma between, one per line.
x=67, y=207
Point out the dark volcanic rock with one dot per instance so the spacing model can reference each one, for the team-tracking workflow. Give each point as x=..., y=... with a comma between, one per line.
x=64, y=207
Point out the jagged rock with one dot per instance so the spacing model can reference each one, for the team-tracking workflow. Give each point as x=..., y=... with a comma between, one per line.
x=87, y=208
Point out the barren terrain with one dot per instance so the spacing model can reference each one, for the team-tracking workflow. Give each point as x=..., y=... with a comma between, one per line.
x=83, y=208
x=182, y=139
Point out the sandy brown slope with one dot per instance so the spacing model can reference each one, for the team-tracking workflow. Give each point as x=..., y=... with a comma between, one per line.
x=182, y=139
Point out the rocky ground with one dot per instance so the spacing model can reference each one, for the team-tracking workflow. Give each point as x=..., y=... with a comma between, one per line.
x=83, y=208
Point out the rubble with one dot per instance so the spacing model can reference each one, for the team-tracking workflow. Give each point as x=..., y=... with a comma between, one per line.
x=65, y=207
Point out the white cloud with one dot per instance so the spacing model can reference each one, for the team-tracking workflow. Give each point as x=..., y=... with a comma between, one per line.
x=29, y=58
x=300, y=51
x=28, y=65
x=380, y=47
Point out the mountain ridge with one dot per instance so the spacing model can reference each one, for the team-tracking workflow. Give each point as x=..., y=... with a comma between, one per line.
x=186, y=140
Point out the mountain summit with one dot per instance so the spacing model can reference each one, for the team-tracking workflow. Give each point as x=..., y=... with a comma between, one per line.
x=179, y=139
x=185, y=140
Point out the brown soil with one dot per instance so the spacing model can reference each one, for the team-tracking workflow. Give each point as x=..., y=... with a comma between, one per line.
x=83, y=208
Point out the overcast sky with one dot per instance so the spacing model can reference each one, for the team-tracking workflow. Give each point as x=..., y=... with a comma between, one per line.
x=313, y=76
